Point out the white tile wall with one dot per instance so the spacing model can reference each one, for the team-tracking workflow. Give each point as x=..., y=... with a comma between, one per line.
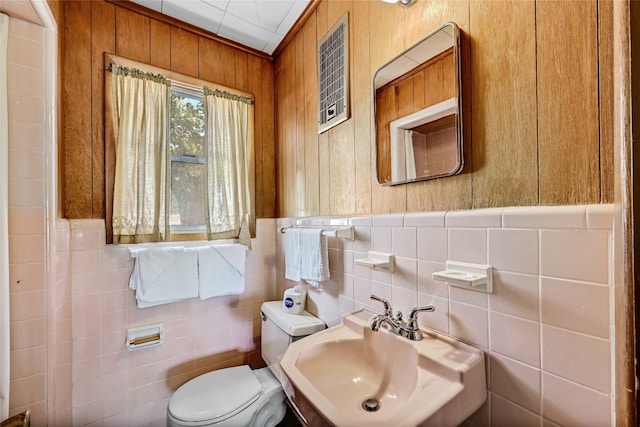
x=546, y=328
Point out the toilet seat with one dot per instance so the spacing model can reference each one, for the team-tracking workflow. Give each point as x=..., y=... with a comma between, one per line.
x=215, y=396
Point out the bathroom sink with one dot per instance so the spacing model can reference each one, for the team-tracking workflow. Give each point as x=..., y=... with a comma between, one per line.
x=349, y=375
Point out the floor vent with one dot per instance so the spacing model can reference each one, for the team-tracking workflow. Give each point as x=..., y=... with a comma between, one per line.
x=333, y=75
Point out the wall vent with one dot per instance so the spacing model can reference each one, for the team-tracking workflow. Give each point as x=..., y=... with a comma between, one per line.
x=333, y=75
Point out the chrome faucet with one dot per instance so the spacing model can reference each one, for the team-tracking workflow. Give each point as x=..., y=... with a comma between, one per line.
x=409, y=329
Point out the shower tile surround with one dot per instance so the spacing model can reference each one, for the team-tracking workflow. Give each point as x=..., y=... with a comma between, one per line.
x=546, y=328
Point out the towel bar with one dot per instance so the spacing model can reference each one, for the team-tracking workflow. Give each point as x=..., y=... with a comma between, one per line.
x=343, y=232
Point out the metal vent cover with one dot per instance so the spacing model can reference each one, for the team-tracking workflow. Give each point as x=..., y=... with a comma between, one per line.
x=333, y=75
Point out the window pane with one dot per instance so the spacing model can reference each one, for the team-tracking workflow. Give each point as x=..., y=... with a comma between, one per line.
x=187, y=195
x=187, y=124
x=187, y=161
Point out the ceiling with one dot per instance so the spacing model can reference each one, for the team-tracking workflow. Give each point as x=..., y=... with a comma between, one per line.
x=258, y=24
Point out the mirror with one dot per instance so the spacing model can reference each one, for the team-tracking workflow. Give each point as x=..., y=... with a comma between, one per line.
x=417, y=109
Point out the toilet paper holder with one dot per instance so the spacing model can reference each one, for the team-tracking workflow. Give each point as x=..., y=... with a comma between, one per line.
x=144, y=337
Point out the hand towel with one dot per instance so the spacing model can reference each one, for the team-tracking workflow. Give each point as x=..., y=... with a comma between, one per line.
x=292, y=260
x=221, y=270
x=306, y=255
x=164, y=275
x=314, y=256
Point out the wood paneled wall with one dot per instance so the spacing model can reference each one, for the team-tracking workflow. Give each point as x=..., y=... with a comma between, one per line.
x=537, y=88
x=91, y=28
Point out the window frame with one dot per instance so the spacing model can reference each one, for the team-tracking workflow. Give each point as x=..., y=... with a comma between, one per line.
x=181, y=81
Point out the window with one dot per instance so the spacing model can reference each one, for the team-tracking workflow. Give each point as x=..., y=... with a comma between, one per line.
x=179, y=157
x=187, y=161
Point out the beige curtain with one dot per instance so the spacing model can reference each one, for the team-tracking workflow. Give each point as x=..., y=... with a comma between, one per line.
x=141, y=115
x=228, y=148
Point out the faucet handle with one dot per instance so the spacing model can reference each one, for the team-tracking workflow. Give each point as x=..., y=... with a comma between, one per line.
x=387, y=306
x=413, y=315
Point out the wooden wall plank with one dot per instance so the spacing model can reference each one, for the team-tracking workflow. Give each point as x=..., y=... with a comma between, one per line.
x=185, y=57
x=342, y=181
x=103, y=20
x=504, y=107
x=300, y=160
x=289, y=108
x=267, y=107
x=361, y=107
x=217, y=62
x=384, y=44
x=241, y=68
x=454, y=192
x=76, y=104
x=254, y=85
x=310, y=60
x=160, y=44
x=567, y=129
x=280, y=125
x=605, y=78
x=132, y=35
x=324, y=162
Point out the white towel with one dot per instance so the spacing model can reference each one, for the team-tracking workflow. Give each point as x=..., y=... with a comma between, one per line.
x=292, y=260
x=164, y=275
x=306, y=256
x=221, y=270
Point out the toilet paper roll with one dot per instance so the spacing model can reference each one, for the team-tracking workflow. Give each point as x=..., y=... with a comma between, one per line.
x=293, y=301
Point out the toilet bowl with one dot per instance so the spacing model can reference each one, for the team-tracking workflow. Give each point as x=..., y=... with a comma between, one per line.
x=240, y=396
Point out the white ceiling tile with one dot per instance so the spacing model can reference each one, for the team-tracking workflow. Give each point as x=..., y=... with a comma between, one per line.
x=259, y=24
x=294, y=13
x=244, y=32
x=267, y=14
x=220, y=4
x=194, y=12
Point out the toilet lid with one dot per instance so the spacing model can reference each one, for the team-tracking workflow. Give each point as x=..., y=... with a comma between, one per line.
x=216, y=395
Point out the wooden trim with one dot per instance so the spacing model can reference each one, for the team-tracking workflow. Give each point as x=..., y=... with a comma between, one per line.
x=134, y=7
x=311, y=8
x=626, y=286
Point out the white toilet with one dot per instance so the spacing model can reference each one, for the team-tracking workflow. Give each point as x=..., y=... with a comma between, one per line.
x=240, y=396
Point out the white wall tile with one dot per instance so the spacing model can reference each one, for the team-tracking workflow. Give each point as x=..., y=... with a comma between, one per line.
x=424, y=219
x=517, y=382
x=577, y=306
x=432, y=244
x=381, y=239
x=577, y=357
x=572, y=405
x=577, y=255
x=468, y=245
x=600, y=217
x=426, y=284
x=515, y=294
x=515, y=338
x=514, y=250
x=485, y=218
x=404, y=242
x=505, y=413
x=542, y=217
x=469, y=323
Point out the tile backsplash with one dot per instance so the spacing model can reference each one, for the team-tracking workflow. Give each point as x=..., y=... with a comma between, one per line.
x=547, y=326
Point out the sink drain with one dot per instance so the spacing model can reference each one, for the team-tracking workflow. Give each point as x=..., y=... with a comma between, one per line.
x=371, y=405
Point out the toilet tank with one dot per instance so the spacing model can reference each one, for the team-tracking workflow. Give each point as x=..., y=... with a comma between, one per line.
x=279, y=329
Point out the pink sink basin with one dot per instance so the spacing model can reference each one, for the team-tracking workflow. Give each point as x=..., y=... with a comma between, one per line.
x=348, y=375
